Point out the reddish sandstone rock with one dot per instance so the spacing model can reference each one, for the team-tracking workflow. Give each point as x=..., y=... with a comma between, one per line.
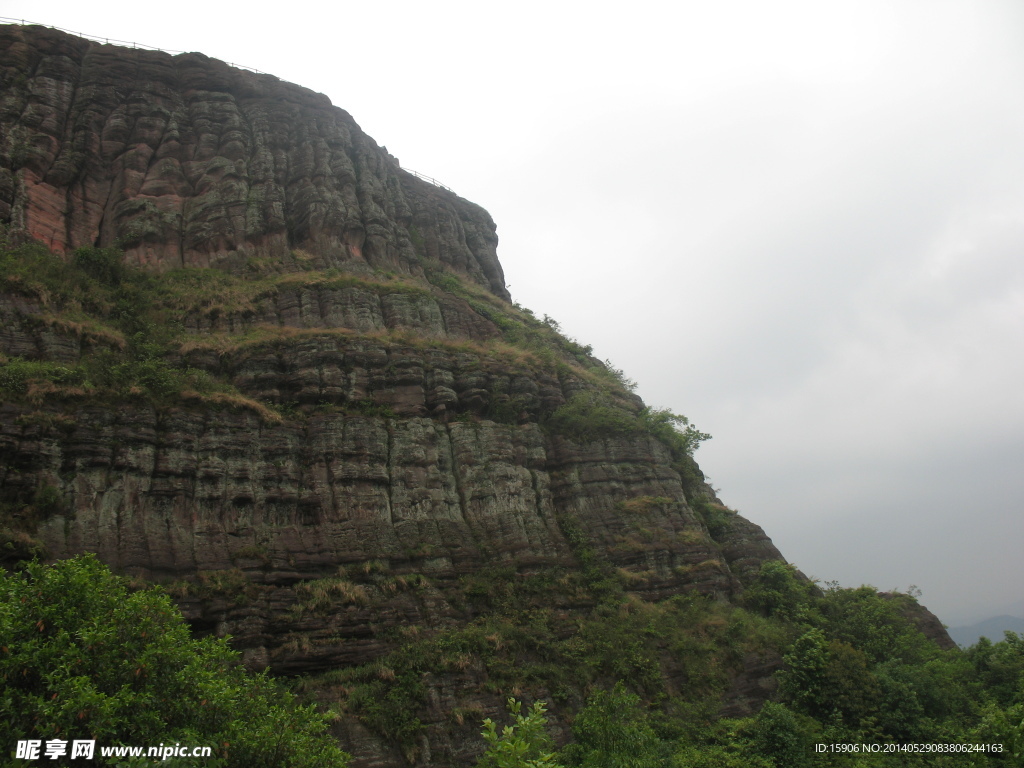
x=186, y=161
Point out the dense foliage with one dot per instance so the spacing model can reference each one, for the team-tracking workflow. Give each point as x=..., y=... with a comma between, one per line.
x=856, y=674
x=83, y=657
x=644, y=683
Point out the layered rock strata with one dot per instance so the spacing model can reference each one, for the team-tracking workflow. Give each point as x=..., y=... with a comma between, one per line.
x=185, y=161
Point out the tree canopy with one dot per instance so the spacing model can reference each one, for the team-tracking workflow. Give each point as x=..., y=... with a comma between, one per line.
x=84, y=657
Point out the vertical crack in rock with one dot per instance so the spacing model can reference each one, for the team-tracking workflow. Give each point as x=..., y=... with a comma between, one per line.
x=389, y=488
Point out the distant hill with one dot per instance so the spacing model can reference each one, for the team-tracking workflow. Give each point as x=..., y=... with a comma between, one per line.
x=991, y=628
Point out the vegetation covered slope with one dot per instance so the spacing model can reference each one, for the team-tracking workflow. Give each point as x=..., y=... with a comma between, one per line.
x=413, y=651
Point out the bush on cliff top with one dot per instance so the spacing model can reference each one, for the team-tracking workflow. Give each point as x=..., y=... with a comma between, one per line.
x=592, y=415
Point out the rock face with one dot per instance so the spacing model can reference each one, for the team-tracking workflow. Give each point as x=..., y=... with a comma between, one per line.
x=185, y=161
x=386, y=448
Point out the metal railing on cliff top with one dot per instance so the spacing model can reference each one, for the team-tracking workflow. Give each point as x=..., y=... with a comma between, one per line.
x=112, y=41
x=431, y=179
x=127, y=43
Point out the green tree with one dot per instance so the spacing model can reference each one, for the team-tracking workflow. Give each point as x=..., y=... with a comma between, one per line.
x=82, y=656
x=778, y=734
x=524, y=744
x=806, y=662
x=1004, y=727
x=613, y=731
x=1000, y=667
x=873, y=624
x=829, y=679
x=779, y=590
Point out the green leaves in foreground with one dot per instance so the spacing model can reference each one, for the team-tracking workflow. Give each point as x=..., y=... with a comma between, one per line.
x=521, y=745
x=82, y=657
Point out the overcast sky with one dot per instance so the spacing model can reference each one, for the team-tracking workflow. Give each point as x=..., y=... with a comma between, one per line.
x=799, y=223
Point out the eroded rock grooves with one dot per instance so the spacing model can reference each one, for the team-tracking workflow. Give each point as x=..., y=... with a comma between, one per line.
x=186, y=161
x=397, y=439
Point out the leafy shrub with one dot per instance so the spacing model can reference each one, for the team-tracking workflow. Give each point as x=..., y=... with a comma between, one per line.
x=389, y=705
x=521, y=745
x=673, y=429
x=620, y=376
x=17, y=545
x=589, y=415
x=48, y=500
x=779, y=591
x=17, y=374
x=445, y=281
x=780, y=735
x=716, y=756
x=717, y=518
x=612, y=731
x=102, y=264
x=84, y=657
x=31, y=268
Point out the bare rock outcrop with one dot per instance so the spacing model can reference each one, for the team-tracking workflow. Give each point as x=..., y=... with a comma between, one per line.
x=185, y=161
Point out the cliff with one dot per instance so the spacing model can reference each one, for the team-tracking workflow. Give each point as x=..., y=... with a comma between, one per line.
x=185, y=161
x=298, y=395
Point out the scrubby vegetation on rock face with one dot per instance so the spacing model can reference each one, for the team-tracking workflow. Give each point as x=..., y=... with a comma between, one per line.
x=326, y=431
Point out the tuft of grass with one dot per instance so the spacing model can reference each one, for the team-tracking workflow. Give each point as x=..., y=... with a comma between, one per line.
x=320, y=594
x=234, y=400
x=643, y=504
x=230, y=582
x=214, y=293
